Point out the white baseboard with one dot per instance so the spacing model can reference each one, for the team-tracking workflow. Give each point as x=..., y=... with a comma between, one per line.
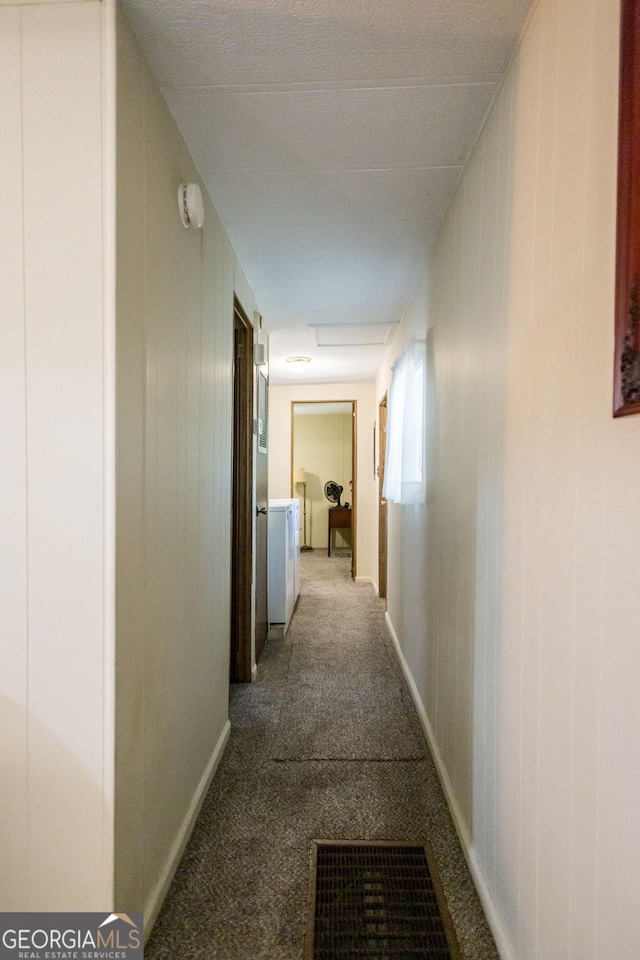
x=159, y=892
x=503, y=942
x=366, y=580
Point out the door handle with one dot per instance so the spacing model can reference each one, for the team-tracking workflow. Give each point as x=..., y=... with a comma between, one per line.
x=260, y=510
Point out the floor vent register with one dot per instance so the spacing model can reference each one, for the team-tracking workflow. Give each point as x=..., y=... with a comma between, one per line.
x=377, y=900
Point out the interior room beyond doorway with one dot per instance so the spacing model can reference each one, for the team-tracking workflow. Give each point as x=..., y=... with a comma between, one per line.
x=322, y=447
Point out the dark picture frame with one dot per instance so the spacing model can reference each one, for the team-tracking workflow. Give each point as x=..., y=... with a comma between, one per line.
x=627, y=310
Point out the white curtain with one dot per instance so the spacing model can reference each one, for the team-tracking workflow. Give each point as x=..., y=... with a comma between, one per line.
x=405, y=468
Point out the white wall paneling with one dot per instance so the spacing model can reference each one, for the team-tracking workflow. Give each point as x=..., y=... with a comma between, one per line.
x=524, y=654
x=175, y=291
x=57, y=493
x=154, y=422
x=13, y=503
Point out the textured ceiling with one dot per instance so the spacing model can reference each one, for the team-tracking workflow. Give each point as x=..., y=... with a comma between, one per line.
x=330, y=135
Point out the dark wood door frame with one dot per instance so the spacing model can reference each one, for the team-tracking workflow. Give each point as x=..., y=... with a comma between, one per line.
x=627, y=305
x=260, y=597
x=382, y=503
x=242, y=498
x=354, y=492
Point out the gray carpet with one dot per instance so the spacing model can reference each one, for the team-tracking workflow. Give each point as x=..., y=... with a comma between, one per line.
x=325, y=744
x=341, y=663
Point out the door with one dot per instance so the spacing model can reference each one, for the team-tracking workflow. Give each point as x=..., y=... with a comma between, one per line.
x=382, y=508
x=261, y=514
x=242, y=499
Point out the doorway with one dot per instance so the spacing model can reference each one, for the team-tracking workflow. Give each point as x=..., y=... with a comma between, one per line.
x=242, y=498
x=382, y=503
x=323, y=452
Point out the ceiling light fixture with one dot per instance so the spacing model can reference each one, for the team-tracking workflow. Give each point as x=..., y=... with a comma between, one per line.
x=300, y=360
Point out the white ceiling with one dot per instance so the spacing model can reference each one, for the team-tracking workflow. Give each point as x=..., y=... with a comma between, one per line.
x=330, y=135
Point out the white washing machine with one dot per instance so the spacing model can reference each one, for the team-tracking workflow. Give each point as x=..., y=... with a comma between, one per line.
x=283, y=560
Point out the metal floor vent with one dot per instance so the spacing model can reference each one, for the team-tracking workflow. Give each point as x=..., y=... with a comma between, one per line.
x=377, y=900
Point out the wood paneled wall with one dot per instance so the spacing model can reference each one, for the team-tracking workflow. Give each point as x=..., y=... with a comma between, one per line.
x=525, y=650
x=56, y=700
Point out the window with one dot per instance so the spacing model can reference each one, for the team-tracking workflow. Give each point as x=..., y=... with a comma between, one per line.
x=405, y=468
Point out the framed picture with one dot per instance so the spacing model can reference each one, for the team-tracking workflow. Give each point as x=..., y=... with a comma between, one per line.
x=627, y=333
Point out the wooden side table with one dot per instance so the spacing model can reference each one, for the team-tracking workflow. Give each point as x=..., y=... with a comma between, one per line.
x=339, y=518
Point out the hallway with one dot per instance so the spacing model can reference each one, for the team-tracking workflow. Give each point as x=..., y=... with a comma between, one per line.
x=325, y=744
x=356, y=202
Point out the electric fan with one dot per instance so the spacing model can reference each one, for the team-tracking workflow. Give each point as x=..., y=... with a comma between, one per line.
x=333, y=491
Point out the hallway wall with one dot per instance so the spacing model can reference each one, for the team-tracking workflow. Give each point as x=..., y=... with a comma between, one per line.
x=90, y=411
x=524, y=652
x=56, y=691
x=175, y=292
x=280, y=400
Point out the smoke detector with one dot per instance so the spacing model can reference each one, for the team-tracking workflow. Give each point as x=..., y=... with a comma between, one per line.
x=190, y=205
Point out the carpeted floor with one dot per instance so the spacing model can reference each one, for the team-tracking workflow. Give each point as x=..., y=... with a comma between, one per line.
x=326, y=744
